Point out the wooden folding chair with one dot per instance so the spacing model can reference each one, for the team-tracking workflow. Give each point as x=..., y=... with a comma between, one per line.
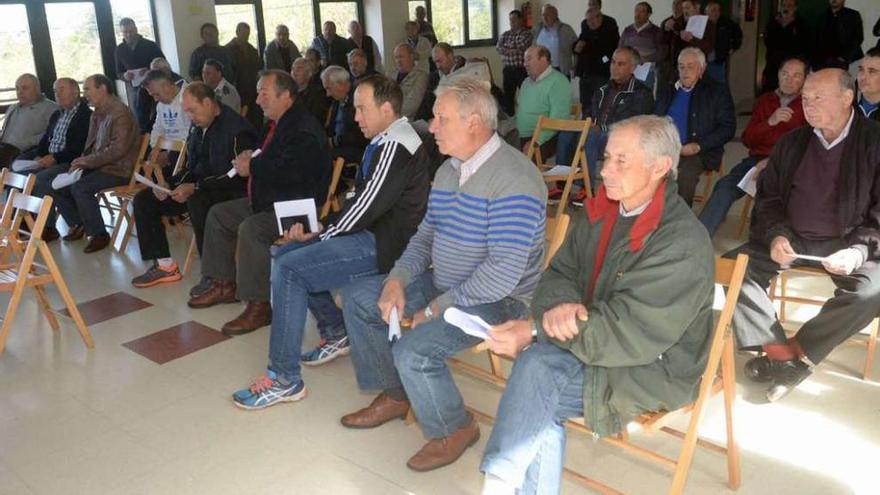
x=576, y=110
x=25, y=185
x=781, y=281
x=710, y=176
x=104, y=196
x=33, y=267
x=578, y=168
x=332, y=201
x=124, y=195
x=745, y=215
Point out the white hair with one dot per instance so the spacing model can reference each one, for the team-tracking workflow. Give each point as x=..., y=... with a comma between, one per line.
x=658, y=138
x=473, y=97
x=335, y=75
x=701, y=57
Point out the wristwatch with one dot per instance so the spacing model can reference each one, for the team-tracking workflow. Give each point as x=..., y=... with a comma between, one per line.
x=428, y=313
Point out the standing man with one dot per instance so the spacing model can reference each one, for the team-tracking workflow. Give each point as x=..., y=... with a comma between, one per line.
x=647, y=39
x=246, y=59
x=133, y=57
x=839, y=37
x=293, y=164
x=280, y=52
x=217, y=134
x=557, y=36
x=412, y=79
x=786, y=35
x=358, y=40
x=425, y=27
x=310, y=92
x=210, y=49
x=479, y=249
x=26, y=120
x=512, y=46
x=728, y=39
x=213, y=76
x=818, y=196
x=869, y=85
x=419, y=44
x=594, y=48
x=706, y=43
x=333, y=49
x=672, y=28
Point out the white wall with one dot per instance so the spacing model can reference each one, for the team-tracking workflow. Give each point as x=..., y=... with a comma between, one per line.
x=179, y=22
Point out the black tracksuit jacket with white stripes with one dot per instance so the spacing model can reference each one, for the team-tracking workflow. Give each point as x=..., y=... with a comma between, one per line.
x=391, y=199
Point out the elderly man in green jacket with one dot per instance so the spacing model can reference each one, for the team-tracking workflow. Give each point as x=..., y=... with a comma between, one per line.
x=622, y=318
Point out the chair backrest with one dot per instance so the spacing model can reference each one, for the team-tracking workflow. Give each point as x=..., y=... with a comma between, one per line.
x=17, y=206
x=141, y=159
x=554, y=234
x=338, y=165
x=559, y=125
x=24, y=183
x=576, y=110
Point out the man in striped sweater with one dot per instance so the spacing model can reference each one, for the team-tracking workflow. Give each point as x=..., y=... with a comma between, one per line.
x=379, y=217
x=479, y=248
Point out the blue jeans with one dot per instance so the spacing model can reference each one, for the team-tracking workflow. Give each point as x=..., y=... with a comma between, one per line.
x=417, y=361
x=527, y=445
x=724, y=194
x=594, y=147
x=302, y=276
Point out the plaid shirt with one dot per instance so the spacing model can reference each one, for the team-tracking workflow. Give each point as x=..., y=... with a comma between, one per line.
x=512, y=46
x=59, y=134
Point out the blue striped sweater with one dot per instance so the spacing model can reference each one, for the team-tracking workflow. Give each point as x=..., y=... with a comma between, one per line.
x=484, y=239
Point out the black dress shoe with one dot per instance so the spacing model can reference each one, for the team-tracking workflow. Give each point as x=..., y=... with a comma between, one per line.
x=759, y=369
x=75, y=233
x=51, y=234
x=787, y=376
x=97, y=243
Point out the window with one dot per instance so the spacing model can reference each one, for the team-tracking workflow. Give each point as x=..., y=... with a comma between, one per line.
x=447, y=16
x=460, y=22
x=137, y=10
x=73, y=29
x=480, y=20
x=297, y=15
x=341, y=13
x=412, y=7
x=16, y=51
x=228, y=17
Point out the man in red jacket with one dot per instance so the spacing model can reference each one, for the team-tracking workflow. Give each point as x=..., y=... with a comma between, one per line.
x=774, y=113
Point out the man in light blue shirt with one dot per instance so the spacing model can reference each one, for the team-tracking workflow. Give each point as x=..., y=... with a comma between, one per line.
x=557, y=36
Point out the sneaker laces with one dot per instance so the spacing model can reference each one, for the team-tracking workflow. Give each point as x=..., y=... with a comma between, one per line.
x=262, y=383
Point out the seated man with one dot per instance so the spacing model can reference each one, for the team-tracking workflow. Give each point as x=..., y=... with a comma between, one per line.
x=446, y=63
x=107, y=161
x=26, y=120
x=479, y=248
x=818, y=196
x=171, y=121
x=391, y=192
x=545, y=92
x=869, y=84
x=413, y=80
x=63, y=141
x=622, y=318
x=293, y=163
x=346, y=137
x=213, y=76
x=217, y=134
x=773, y=114
x=358, y=65
x=702, y=110
x=310, y=92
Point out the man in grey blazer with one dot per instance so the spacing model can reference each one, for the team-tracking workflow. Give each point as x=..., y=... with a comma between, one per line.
x=557, y=36
x=281, y=52
x=413, y=81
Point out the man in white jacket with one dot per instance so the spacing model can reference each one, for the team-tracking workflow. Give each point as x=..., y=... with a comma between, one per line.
x=171, y=121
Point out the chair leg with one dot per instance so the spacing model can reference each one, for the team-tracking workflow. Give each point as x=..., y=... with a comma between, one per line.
x=872, y=349
x=728, y=377
x=43, y=301
x=494, y=363
x=69, y=303
x=119, y=224
x=744, y=216
x=191, y=254
x=11, y=309
x=782, y=283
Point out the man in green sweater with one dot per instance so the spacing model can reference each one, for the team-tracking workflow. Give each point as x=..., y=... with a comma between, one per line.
x=545, y=92
x=622, y=318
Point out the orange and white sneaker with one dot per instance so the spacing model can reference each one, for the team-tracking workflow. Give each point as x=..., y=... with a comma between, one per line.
x=157, y=275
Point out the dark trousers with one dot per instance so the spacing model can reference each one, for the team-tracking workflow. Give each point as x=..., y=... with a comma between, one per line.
x=548, y=148
x=43, y=186
x=149, y=210
x=79, y=206
x=724, y=194
x=8, y=153
x=513, y=78
x=689, y=170
x=233, y=226
x=855, y=303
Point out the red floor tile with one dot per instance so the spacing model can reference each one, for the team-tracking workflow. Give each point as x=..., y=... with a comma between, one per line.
x=109, y=307
x=177, y=341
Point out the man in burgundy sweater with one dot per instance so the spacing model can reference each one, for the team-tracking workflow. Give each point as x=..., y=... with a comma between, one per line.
x=773, y=114
x=818, y=196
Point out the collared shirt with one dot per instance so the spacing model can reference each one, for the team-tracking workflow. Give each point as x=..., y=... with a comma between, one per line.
x=784, y=99
x=514, y=45
x=840, y=138
x=641, y=28
x=635, y=211
x=549, y=70
x=867, y=107
x=678, y=86
x=59, y=134
x=470, y=166
x=549, y=37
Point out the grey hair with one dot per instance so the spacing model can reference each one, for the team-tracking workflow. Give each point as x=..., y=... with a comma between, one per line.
x=30, y=77
x=335, y=75
x=846, y=81
x=701, y=57
x=159, y=63
x=633, y=54
x=407, y=48
x=310, y=67
x=658, y=138
x=473, y=97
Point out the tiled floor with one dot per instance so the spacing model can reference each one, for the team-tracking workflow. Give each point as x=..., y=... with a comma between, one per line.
x=150, y=413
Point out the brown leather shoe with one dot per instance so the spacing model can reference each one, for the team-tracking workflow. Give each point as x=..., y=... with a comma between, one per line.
x=75, y=233
x=440, y=452
x=97, y=243
x=50, y=234
x=221, y=292
x=256, y=314
x=382, y=410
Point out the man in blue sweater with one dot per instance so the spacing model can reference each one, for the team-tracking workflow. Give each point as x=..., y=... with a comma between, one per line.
x=479, y=248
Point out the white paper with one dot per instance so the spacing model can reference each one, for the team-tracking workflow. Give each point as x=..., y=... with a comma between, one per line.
x=139, y=76
x=232, y=172
x=296, y=208
x=25, y=165
x=697, y=25
x=393, y=325
x=643, y=70
x=558, y=170
x=468, y=323
x=605, y=59
x=147, y=182
x=66, y=179
x=810, y=258
x=749, y=182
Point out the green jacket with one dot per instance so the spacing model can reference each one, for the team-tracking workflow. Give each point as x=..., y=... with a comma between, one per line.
x=646, y=341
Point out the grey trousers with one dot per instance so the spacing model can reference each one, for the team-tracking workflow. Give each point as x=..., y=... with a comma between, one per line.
x=689, y=170
x=232, y=226
x=855, y=303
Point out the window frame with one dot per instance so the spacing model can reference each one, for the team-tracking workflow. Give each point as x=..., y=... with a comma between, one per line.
x=258, y=13
x=341, y=31
x=468, y=42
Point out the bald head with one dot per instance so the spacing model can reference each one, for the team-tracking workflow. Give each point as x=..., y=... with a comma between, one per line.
x=827, y=97
x=27, y=89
